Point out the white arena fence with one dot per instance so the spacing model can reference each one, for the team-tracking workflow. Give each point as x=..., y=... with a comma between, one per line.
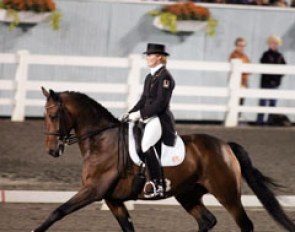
x=29, y=196
x=21, y=83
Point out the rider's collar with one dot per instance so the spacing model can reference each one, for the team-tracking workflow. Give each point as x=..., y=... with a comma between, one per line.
x=155, y=69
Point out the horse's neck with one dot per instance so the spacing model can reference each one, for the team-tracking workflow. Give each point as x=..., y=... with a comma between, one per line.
x=87, y=120
x=105, y=139
x=83, y=126
x=86, y=114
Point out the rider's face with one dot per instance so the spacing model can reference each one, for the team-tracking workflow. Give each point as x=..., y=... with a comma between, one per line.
x=153, y=60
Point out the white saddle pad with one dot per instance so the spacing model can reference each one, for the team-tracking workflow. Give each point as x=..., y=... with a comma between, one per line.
x=170, y=156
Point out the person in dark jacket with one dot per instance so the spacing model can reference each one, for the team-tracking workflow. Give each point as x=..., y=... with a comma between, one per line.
x=153, y=109
x=270, y=81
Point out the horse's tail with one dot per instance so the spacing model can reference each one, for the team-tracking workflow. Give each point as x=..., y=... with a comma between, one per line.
x=260, y=184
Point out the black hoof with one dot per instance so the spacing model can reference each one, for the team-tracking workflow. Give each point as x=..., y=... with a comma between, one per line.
x=208, y=223
x=212, y=222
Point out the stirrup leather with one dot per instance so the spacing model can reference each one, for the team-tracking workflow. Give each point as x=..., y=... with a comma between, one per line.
x=156, y=191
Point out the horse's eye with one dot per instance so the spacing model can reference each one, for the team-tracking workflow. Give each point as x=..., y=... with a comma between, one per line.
x=53, y=117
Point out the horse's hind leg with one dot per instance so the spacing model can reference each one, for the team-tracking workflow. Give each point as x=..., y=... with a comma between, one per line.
x=230, y=198
x=191, y=201
x=234, y=206
x=84, y=197
x=120, y=212
x=239, y=214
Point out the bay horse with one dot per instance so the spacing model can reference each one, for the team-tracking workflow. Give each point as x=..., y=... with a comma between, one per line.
x=210, y=166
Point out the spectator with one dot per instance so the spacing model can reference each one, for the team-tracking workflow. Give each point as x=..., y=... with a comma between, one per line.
x=270, y=81
x=279, y=3
x=261, y=2
x=239, y=53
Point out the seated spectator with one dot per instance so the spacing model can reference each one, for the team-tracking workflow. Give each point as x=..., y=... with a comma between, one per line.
x=280, y=3
x=261, y=2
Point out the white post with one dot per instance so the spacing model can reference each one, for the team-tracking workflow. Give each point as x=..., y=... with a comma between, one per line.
x=133, y=80
x=21, y=77
x=231, y=119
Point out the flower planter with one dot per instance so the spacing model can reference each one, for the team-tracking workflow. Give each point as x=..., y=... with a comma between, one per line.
x=25, y=17
x=182, y=25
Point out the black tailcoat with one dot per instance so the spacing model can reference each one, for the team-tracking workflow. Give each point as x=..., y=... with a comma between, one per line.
x=155, y=101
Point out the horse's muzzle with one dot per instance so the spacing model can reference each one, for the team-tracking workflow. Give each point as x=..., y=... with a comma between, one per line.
x=57, y=152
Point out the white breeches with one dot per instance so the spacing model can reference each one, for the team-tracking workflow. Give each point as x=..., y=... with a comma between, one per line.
x=152, y=133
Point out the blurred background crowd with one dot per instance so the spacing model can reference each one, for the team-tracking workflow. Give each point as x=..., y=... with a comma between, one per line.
x=278, y=3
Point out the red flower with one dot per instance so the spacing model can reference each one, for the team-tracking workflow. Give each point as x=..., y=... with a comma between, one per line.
x=34, y=5
x=187, y=11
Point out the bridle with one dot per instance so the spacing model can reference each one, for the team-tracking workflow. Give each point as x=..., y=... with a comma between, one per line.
x=62, y=131
x=64, y=135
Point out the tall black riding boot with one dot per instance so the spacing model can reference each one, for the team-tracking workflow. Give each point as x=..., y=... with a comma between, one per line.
x=154, y=188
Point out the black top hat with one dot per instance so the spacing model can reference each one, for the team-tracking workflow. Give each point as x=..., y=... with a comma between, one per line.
x=156, y=49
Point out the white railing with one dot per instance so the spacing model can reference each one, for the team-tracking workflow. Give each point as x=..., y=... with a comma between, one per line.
x=21, y=84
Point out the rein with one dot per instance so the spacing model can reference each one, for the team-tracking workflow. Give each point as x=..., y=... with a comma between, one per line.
x=72, y=138
x=124, y=151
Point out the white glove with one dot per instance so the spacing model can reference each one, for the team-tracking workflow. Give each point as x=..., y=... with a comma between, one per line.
x=135, y=116
x=124, y=117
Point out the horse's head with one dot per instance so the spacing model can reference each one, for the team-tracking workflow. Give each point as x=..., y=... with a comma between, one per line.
x=58, y=123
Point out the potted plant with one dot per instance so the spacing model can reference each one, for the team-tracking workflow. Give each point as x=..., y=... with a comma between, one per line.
x=184, y=17
x=17, y=12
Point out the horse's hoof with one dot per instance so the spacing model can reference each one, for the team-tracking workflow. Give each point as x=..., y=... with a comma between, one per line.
x=213, y=223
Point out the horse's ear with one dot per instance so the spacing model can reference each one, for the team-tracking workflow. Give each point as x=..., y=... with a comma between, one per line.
x=53, y=95
x=45, y=92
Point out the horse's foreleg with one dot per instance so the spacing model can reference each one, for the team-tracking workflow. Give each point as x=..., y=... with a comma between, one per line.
x=120, y=212
x=84, y=197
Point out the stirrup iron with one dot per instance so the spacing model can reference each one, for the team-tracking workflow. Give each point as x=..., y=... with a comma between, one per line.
x=156, y=191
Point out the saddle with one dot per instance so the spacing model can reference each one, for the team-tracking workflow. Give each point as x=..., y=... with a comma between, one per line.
x=169, y=156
